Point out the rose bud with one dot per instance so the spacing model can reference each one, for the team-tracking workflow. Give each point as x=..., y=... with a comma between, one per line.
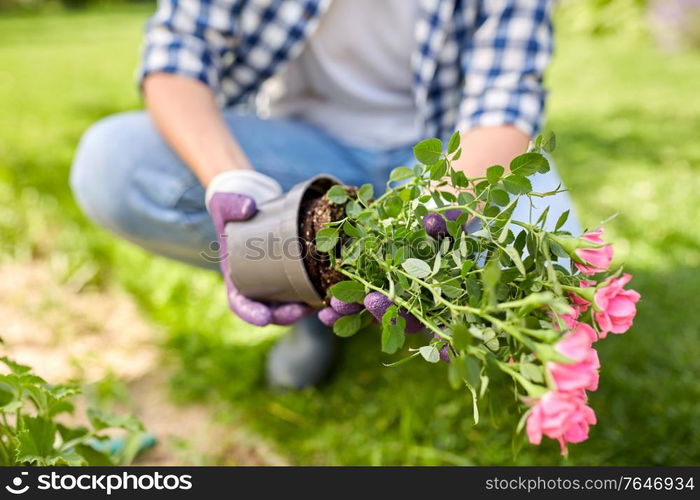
x=596, y=260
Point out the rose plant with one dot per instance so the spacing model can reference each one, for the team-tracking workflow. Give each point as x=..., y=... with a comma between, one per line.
x=508, y=296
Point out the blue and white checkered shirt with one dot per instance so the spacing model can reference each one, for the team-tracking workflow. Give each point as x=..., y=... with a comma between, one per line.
x=477, y=62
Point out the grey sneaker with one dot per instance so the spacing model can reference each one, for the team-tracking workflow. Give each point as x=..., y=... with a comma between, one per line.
x=304, y=357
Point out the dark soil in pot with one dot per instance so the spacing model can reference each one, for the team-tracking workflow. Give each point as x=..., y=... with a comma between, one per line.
x=315, y=213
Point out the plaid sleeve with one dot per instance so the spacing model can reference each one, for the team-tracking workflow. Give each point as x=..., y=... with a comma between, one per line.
x=506, y=57
x=189, y=38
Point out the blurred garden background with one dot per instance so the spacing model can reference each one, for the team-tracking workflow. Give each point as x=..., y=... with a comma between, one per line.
x=77, y=302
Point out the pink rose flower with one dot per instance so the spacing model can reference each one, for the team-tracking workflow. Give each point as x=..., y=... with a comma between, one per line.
x=563, y=416
x=580, y=303
x=597, y=259
x=570, y=319
x=582, y=373
x=617, y=306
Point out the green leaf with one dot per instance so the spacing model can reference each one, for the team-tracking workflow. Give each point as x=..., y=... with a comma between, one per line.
x=529, y=163
x=348, y=291
x=494, y=173
x=393, y=327
x=499, y=197
x=448, y=197
x=39, y=396
x=438, y=170
x=436, y=263
x=16, y=368
x=491, y=273
x=409, y=193
x=71, y=433
x=351, y=230
x=531, y=372
x=519, y=242
x=549, y=141
x=452, y=292
x=351, y=252
x=459, y=179
x=437, y=199
x=465, y=198
x=353, y=209
x=326, y=239
x=104, y=420
x=8, y=402
x=34, y=445
x=420, y=211
x=365, y=193
x=430, y=353
x=490, y=339
x=473, y=372
x=36, y=438
x=491, y=210
x=11, y=407
x=347, y=326
x=557, y=250
x=453, y=145
x=517, y=184
x=428, y=151
x=93, y=457
x=70, y=458
x=561, y=220
x=401, y=174
x=416, y=268
x=393, y=206
x=63, y=391
x=337, y=195
x=399, y=255
x=457, y=372
x=461, y=339
x=515, y=257
x=543, y=216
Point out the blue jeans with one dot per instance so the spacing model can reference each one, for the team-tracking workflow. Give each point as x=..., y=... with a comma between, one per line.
x=127, y=179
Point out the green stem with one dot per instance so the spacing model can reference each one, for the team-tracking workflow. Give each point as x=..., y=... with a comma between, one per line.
x=529, y=227
x=6, y=432
x=512, y=304
x=5, y=453
x=538, y=334
x=5, y=422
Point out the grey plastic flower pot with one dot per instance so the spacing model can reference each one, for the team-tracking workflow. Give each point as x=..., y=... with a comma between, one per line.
x=266, y=253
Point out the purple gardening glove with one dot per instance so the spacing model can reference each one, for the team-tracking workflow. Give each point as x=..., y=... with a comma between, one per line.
x=225, y=205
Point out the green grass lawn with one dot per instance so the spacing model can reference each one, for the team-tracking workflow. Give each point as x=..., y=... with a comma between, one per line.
x=627, y=119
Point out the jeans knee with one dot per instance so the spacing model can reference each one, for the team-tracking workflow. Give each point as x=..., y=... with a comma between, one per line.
x=94, y=175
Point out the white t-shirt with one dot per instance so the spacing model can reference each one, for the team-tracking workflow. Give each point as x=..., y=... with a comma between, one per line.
x=353, y=78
